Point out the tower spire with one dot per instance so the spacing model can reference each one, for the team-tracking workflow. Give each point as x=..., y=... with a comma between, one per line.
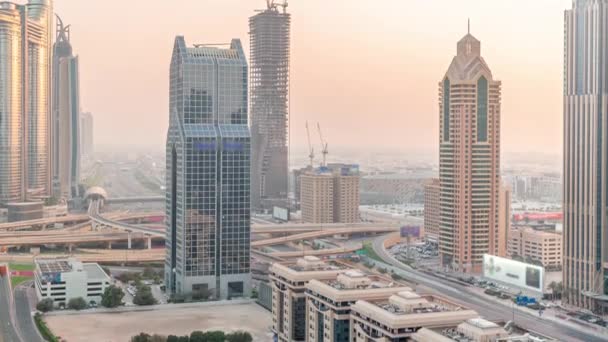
x=469, y=26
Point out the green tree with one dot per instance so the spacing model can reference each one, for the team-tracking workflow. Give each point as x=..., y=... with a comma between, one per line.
x=144, y=296
x=45, y=305
x=239, y=336
x=112, y=297
x=173, y=338
x=197, y=336
x=214, y=336
x=396, y=277
x=142, y=337
x=77, y=304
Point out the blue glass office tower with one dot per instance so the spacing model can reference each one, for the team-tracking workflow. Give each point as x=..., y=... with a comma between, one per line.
x=208, y=172
x=585, y=156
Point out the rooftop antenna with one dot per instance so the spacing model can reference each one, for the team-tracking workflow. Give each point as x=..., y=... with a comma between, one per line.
x=469, y=25
x=311, y=150
x=324, y=149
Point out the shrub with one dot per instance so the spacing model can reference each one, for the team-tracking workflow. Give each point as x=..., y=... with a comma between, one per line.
x=45, y=305
x=77, y=304
x=239, y=336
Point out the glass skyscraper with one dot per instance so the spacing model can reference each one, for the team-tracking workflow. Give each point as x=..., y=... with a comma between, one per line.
x=585, y=156
x=25, y=99
x=65, y=116
x=208, y=172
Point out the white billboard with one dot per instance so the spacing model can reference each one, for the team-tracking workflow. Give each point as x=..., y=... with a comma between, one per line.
x=514, y=272
x=280, y=213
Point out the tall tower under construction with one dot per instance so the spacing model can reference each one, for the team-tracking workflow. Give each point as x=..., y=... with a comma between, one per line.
x=269, y=98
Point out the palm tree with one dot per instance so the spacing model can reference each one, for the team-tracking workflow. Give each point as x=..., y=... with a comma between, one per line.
x=552, y=286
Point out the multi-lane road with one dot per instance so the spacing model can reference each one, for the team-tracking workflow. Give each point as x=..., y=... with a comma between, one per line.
x=487, y=309
x=8, y=331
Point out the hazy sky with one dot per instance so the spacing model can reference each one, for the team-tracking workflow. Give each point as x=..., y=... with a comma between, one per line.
x=367, y=70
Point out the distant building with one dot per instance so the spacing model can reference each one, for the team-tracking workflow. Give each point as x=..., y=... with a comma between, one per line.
x=65, y=279
x=86, y=134
x=504, y=219
x=208, y=209
x=585, y=149
x=25, y=117
x=25, y=211
x=330, y=195
x=431, y=209
x=288, y=283
x=390, y=188
x=329, y=302
x=402, y=315
x=469, y=160
x=544, y=246
x=66, y=140
x=269, y=32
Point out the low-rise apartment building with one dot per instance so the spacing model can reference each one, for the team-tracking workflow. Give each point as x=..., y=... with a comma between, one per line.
x=541, y=245
x=329, y=301
x=288, y=282
x=402, y=315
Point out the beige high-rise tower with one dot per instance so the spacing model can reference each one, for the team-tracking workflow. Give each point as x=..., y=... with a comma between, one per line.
x=469, y=104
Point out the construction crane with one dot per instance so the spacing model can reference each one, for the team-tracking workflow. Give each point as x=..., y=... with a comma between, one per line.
x=272, y=5
x=324, y=149
x=311, y=150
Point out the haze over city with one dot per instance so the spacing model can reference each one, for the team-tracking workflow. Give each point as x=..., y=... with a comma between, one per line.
x=366, y=70
x=304, y=170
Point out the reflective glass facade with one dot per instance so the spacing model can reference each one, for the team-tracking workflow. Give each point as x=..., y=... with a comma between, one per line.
x=65, y=122
x=11, y=107
x=25, y=99
x=585, y=235
x=208, y=172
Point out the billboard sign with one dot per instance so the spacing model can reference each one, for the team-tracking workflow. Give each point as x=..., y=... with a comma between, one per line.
x=280, y=213
x=411, y=231
x=513, y=272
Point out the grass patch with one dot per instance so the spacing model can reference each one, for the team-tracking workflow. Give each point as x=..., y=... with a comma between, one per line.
x=369, y=251
x=44, y=330
x=21, y=267
x=16, y=280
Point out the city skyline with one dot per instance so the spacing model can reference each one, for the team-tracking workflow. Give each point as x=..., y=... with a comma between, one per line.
x=409, y=50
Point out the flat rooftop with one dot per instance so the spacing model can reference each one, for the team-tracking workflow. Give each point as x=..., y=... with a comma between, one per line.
x=314, y=264
x=94, y=271
x=54, y=265
x=411, y=303
x=357, y=280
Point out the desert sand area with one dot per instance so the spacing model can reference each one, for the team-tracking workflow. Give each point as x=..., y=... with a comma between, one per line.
x=172, y=320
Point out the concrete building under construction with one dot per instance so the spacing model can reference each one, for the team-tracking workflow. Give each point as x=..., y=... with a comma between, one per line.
x=269, y=99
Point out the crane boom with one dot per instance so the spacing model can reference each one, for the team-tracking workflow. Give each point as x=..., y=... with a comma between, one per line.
x=324, y=147
x=311, y=150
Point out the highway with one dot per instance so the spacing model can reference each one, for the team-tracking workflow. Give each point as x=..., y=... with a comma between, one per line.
x=318, y=234
x=8, y=331
x=24, y=308
x=487, y=309
x=43, y=222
